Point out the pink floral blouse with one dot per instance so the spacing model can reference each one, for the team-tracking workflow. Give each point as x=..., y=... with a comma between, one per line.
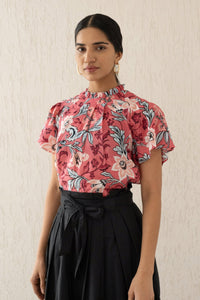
x=100, y=138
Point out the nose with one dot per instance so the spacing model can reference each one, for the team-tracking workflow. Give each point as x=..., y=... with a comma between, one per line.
x=89, y=56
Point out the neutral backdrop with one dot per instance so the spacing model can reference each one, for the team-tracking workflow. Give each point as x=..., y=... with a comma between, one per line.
x=161, y=63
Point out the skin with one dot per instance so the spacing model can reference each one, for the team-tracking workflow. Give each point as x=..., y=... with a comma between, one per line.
x=141, y=287
x=52, y=202
x=101, y=55
x=104, y=57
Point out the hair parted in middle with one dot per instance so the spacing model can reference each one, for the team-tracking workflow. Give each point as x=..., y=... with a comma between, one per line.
x=105, y=24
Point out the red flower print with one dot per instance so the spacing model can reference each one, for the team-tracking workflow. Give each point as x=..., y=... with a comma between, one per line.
x=106, y=115
x=136, y=117
x=110, y=122
x=94, y=162
x=139, y=137
x=98, y=135
x=95, y=149
x=77, y=159
x=144, y=123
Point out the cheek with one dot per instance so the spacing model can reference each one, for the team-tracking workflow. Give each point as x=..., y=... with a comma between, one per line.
x=107, y=61
x=78, y=58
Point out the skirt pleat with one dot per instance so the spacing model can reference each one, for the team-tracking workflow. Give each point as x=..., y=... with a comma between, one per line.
x=94, y=247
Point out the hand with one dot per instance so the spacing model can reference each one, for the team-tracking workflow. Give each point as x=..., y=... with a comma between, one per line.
x=141, y=287
x=38, y=278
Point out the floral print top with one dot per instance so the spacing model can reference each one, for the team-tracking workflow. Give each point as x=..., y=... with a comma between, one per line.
x=101, y=138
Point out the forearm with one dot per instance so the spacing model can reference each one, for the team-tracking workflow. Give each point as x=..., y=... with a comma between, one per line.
x=52, y=203
x=150, y=231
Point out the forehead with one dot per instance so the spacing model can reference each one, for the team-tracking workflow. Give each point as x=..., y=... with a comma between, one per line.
x=91, y=35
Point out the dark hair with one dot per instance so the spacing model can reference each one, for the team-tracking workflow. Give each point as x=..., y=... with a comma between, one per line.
x=107, y=25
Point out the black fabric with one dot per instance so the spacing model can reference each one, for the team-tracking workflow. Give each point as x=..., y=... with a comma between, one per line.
x=94, y=247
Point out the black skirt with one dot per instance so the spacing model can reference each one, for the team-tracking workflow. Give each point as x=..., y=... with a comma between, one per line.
x=94, y=247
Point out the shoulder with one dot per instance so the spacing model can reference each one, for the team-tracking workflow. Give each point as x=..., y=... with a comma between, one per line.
x=64, y=102
x=143, y=106
x=57, y=107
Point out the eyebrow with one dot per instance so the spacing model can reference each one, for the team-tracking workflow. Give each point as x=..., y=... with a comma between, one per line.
x=97, y=43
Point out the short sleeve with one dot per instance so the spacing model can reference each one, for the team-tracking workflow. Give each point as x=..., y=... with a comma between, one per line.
x=48, y=136
x=150, y=131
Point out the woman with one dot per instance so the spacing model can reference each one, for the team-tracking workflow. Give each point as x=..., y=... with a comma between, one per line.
x=95, y=242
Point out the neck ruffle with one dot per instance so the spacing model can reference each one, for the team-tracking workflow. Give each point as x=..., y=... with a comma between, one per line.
x=116, y=90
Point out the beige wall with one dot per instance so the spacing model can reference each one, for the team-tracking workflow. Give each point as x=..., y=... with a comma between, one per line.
x=161, y=63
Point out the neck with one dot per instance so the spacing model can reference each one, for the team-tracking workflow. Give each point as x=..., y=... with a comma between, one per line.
x=102, y=86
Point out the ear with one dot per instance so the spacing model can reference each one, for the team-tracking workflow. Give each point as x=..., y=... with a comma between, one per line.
x=118, y=56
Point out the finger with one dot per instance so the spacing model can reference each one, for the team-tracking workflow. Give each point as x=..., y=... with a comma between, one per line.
x=36, y=287
x=42, y=283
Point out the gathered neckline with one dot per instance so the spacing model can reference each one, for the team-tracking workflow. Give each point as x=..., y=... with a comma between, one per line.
x=115, y=90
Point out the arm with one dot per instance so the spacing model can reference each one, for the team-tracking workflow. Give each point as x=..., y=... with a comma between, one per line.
x=52, y=202
x=151, y=184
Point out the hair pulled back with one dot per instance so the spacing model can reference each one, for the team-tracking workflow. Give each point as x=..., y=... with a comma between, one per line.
x=109, y=26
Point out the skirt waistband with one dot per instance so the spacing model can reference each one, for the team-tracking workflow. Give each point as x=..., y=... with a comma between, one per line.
x=116, y=197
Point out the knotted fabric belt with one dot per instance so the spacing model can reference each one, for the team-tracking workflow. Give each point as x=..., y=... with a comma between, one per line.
x=73, y=221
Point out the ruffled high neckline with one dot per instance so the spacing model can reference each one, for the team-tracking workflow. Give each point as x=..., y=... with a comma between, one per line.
x=117, y=89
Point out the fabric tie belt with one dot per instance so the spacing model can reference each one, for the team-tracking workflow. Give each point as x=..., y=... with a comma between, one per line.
x=73, y=222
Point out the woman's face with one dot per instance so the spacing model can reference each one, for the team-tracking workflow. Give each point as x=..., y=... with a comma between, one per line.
x=94, y=50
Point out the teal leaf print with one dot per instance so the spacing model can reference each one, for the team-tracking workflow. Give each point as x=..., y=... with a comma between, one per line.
x=70, y=184
x=118, y=150
x=159, y=137
x=150, y=115
x=143, y=103
x=107, y=174
x=159, y=147
x=83, y=110
x=120, y=117
x=74, y=182
x=77, y=182
x=90, y=138
x=144, y=158
x=119, y=139
x=76, y=147
x=115, y=129
x=166, y=136
x=96, y=127
x=112, y=179
x=74, y=133
x=72, y=173
x=84, y=137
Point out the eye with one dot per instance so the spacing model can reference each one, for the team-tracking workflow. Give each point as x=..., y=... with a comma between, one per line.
x=102, y=47
x=80, y=48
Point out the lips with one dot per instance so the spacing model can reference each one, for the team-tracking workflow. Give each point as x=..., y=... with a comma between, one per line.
x=91, y=68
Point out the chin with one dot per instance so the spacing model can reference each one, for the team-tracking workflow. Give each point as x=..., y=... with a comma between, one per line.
x=94, y=77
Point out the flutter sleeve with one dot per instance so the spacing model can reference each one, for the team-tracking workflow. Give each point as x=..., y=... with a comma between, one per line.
x=48, y=136
x=150, y=131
